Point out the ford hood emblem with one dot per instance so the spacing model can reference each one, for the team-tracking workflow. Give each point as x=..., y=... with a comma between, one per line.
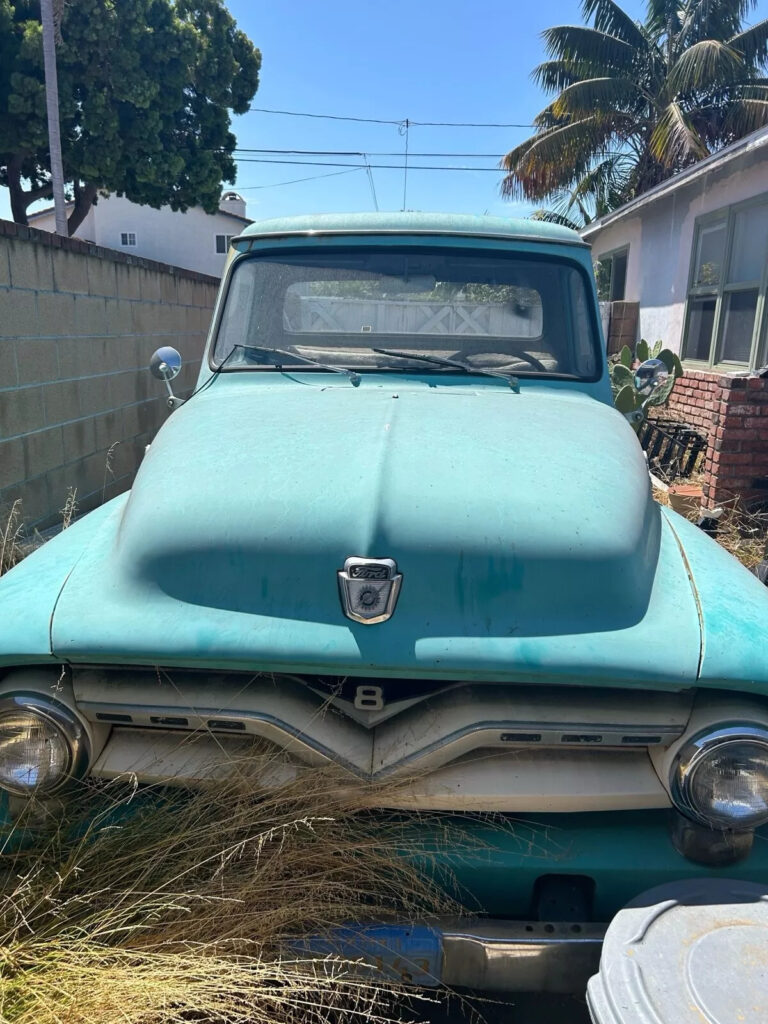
x=369, y=588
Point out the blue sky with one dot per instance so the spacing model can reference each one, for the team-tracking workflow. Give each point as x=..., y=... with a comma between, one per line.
x=425, y=60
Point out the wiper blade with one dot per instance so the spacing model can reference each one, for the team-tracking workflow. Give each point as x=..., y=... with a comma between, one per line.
x=251, y=350
x=513, y=382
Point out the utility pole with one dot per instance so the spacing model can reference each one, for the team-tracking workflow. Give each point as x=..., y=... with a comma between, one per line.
x=52, y=105
x=403, y=129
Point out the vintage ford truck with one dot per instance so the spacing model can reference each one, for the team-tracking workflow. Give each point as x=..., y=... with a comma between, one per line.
x=401, y=491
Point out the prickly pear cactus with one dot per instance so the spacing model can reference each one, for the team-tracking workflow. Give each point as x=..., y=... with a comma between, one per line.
x=626, y=397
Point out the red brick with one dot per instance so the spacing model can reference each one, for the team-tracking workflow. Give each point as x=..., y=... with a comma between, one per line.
x=741, y=409
x=744, y=434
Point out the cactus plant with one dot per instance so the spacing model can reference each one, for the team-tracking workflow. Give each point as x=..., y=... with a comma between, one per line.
x=627, y=398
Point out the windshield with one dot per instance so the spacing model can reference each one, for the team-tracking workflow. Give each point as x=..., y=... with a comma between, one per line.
x=490, y=311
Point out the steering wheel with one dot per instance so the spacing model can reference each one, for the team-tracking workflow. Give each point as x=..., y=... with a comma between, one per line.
x=533, y=361
x=525, y=357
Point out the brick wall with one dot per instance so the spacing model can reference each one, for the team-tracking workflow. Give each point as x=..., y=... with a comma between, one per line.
x=732, y=412
x=78, y=324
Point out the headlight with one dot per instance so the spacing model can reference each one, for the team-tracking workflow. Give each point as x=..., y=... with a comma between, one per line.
x=42, y=744
x=720, y=777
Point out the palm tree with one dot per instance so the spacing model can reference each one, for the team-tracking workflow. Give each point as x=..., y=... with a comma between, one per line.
x=636, y=102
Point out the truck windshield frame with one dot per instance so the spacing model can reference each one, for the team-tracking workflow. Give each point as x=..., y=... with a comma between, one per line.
x=517, y=313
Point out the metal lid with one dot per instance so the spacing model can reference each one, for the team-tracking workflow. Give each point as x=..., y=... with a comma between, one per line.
x=685, y=953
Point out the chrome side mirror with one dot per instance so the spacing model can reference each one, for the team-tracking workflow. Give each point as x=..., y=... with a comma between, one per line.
x=650, y=375
x=165, y=364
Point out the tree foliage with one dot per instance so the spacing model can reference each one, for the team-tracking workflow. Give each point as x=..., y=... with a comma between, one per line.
x=636, y=102
x=146, y=88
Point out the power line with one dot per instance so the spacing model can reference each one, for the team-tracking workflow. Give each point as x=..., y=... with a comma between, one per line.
x=401, y=121
x=326, y=117
x=295, y=181
x=356, y=152
x=381, y=167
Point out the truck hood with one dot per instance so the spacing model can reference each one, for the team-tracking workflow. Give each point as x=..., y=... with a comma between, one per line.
x=523, y=526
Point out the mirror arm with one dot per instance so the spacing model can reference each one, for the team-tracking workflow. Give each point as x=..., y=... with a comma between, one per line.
x=173, y=402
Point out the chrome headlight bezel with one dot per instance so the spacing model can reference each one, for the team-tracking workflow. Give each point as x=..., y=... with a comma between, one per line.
x=54, y=714
x=694, y=752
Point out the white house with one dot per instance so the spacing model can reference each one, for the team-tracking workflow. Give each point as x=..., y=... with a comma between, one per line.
x=693, y=252
x=195, y=240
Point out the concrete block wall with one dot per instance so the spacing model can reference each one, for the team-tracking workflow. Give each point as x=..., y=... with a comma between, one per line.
x=732, y=412
x=78, y=324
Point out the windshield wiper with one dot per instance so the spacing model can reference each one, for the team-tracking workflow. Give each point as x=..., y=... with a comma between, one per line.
x=513, y=382
x=252, y=350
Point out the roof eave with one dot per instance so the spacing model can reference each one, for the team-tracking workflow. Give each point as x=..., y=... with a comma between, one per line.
x=756, y=140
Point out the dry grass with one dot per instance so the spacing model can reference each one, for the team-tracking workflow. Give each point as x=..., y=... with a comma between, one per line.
x=69, y=509
x=174, y=907
x=740, y=530
x=11, y=535
x=744, y=533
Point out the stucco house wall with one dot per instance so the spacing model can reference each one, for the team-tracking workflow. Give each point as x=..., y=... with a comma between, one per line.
x=179, y=239
x=659, y=232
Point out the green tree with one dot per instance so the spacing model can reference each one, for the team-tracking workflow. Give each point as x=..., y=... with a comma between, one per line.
x=145, y=87
x=636, y=102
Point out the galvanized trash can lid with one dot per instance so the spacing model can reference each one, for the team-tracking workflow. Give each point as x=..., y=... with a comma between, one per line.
x=686, y=953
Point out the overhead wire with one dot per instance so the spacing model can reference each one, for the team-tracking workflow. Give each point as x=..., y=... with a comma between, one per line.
x=295, y=181
x=357, y=152
x=383, y=167
x=398, y=122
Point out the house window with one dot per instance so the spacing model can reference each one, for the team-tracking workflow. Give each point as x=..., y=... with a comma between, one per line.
x=128, y=238
x=726, y=313
x=611, y=275
x=222, y=243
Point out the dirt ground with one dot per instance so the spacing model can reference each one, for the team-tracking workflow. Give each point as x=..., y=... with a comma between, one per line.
x=514, y=1009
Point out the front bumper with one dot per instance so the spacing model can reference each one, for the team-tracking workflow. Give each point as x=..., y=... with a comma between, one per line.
x=473, y=953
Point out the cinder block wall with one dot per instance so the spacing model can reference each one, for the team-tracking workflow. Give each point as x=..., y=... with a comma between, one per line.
x=78, y=324
x=732, y=412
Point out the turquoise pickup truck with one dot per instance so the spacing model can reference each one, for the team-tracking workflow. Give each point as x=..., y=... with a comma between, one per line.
x=401, y=492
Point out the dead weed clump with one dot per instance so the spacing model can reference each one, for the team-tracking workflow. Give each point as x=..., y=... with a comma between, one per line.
x=136, y=907
x=11, y=537
x=745, y=534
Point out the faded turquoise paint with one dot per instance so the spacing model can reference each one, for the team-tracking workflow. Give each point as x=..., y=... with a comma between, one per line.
x=28, y=593
x=496, y=864
x=455, y=225
x=734, y=610
x=251, y=498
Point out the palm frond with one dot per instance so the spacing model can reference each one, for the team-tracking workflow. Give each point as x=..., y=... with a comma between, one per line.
x=745, y=116
x=598, y=52
x=609, y=17
x=556, y=158
x=555, y=75
x=674, y=142
x=710, y=19
x=552, y=217
x=663, y=16
x=597, y=94
x=704, y=65
x=607, y=184
x=752, y=43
